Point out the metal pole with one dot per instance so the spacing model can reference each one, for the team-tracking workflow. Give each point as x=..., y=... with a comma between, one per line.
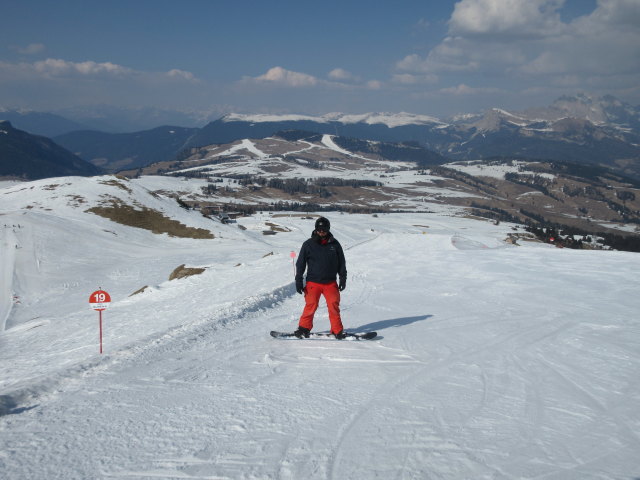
x=100, y=312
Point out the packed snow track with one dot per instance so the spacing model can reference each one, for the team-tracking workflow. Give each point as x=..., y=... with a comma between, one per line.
x=492, y=361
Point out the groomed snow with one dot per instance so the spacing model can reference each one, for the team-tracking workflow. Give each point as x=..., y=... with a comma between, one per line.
x=492, y=362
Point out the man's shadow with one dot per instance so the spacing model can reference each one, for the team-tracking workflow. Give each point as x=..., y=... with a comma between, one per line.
x=392, y=322
x=9, y=406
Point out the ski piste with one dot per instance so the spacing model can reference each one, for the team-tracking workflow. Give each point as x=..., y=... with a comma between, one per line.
x=355, y=336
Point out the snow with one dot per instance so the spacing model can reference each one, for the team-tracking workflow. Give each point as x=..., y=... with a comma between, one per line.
x=327, y=141
x=493, y=361
x=253, y=161
x=630, y=228
x=391, y=120
x=9, y=183
x=7, y=260
x=484, y=169
x=244, y=144
x=265, y=117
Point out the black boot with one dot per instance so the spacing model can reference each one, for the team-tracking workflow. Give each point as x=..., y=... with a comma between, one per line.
x=302, y=332
x=341, y=335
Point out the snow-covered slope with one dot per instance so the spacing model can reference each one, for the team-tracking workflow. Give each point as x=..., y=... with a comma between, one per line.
x=492, y=361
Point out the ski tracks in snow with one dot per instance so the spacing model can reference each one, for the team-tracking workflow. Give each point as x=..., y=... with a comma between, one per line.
x=8, y=244
x=452, y=389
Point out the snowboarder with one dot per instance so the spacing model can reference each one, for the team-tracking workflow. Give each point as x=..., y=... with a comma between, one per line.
x=323, y=259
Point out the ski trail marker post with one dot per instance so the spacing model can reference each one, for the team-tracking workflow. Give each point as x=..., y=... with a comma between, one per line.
x=100, y=301
x=293, y=261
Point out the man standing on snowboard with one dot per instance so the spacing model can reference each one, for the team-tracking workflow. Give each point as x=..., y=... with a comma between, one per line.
x=323, y=259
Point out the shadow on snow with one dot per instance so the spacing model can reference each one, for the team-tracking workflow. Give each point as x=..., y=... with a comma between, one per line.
x=8, y=406
x=391, y=323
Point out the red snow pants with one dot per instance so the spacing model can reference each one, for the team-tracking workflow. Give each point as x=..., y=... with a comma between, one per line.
x=312, y=294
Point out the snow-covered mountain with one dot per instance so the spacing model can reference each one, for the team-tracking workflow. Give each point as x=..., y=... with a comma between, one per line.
x=582, y=129
x=492, y=361
x=593, y=131
x=606, y=110
x=307, y=171
x=499, y=133
x=390, y=120
x=371, y=126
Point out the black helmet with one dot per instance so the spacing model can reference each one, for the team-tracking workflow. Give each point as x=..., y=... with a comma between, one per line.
x=323, y=224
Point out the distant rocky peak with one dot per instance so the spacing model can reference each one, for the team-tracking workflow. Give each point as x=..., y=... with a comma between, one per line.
x=495, y=119
x=598, y=110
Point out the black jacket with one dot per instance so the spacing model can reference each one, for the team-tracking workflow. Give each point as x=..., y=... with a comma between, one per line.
x=322, y=262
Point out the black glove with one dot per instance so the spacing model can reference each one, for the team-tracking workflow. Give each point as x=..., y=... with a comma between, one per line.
x=343, y=284
x=299, y=287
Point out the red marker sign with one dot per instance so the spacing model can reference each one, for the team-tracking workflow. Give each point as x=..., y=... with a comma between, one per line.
x=293, y=256
x=100, y=300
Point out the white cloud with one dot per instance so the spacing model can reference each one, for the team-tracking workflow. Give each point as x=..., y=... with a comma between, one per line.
x=522, y=44
x=31, y=49
x=56, y=82
x=604, y=44
x=462, y=89
x=57, y=67
x=338, y=79
x=288, y=78
x=412, y=79
x=506, y=17
x=342, y=75
x=449, y=56
x=181, y=75
x=617, y=12
x=412, y=63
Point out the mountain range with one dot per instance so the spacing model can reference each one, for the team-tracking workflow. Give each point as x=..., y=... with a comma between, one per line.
x=27, y=156
x=307, y=171
x=581, y=129
x=587, y=130
x=104, y=118
x=117, y=151
x=40, y=123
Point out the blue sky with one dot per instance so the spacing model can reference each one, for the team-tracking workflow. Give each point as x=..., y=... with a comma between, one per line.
x=426, y=57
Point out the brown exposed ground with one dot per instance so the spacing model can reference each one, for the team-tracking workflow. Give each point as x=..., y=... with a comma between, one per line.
x=149, y=219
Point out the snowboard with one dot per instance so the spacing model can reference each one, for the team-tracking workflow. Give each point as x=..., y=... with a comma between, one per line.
x=355, y=336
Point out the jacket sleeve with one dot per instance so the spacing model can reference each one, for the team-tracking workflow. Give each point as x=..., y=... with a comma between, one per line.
x=342, y=264
x=301, y=263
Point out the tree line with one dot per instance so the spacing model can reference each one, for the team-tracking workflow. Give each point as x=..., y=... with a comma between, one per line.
x=563, y=235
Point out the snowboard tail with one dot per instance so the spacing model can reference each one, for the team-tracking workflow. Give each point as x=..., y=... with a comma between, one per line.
x=355, y=336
